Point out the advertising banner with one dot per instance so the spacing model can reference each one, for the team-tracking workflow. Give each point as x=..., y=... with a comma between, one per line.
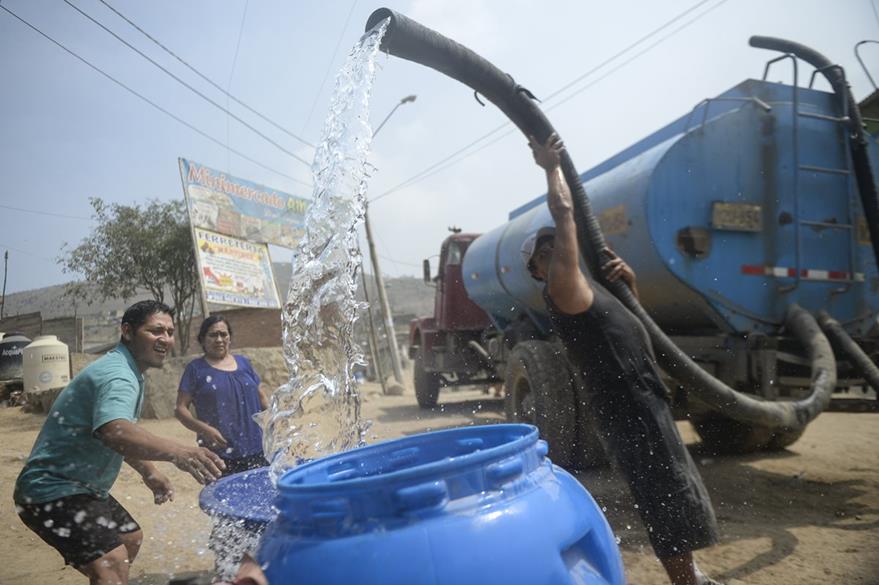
x=234, y=271
x=240, y=208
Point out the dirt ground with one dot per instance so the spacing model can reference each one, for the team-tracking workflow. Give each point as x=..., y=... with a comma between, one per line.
x=807, y=515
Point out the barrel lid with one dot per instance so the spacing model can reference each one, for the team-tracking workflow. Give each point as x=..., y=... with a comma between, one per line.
x=246, y=496
x=47, y=341
x=15, y=337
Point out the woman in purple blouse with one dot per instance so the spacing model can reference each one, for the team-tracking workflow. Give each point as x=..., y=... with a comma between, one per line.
x=226, y=393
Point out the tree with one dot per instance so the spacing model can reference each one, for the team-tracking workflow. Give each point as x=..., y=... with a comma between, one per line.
x=136, y=248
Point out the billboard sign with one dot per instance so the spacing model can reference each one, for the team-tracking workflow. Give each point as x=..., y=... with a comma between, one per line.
x=240, y=208
x=234, y=271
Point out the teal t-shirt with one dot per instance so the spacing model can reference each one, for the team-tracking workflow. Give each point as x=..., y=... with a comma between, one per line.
x=68, y=458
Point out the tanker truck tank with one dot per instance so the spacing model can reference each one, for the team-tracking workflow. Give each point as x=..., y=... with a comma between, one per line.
x=731, y=216
x=728, y=215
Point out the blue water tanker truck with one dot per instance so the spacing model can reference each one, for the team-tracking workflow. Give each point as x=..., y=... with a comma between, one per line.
x=730, y=215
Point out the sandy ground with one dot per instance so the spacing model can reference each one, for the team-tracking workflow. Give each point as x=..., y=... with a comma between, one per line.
x=806, y=515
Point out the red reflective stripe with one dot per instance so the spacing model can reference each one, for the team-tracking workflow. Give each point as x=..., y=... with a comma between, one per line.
x=753, y=270
x=778, y=271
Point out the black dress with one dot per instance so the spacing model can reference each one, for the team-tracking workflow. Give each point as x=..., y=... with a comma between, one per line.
x=628, y=403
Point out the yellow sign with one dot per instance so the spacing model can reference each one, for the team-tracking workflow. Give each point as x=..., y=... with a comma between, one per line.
x=234, y=271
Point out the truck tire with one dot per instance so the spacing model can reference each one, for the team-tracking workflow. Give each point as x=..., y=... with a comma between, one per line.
x=427, y=384
x=539, y=392
x=724, y=436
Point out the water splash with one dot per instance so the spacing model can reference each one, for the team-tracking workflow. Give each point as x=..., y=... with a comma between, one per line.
x=318, y=411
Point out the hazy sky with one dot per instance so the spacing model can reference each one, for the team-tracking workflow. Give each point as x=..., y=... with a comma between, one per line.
x=68, y=133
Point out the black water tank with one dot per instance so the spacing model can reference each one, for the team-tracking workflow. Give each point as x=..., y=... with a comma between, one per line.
x=11, y=347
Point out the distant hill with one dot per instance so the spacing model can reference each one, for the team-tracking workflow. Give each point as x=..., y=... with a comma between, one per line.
x=407, y=296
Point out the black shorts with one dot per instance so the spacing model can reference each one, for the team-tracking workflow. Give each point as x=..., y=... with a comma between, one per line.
x=638, y=430
x=82, y=527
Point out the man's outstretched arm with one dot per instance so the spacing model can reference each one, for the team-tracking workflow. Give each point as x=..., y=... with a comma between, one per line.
x=566, y=285
x=135, y=443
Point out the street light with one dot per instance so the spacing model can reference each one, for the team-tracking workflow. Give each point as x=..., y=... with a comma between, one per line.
x=388, y=320
x=405, y=100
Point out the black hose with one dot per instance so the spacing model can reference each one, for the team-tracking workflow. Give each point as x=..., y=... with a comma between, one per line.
x=410, y=40
x=847, y=346
x=858, y=141
x=805, y=329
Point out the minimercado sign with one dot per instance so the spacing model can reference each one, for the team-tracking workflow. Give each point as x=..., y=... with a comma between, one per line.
x=240, y=208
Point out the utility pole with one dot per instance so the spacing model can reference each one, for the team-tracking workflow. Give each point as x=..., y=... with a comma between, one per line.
x=3, y=295
x=379, y=281
x=383, y=299
x=374, y=351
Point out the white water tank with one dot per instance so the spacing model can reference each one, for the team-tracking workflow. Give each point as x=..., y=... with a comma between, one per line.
x=46, y=364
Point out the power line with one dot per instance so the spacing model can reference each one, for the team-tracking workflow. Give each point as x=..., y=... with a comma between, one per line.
x=553, y=106
x=205, y=77
x=20, y=251
x=329, y=65
x=439, y=166
x=607, y=61
x=636, y=55
x=232, y=72
x=150, y=102
x=399, y=262
x=34, y=211
x=189, y=87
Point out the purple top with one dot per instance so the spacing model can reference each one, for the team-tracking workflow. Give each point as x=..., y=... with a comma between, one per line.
x=227, y=401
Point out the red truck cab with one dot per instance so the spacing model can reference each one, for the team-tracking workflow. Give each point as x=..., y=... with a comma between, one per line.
x=447, y=347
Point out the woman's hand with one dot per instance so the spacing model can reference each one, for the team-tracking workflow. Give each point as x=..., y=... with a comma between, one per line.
x=214, y=439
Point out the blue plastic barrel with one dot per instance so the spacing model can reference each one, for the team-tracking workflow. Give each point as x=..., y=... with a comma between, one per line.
x=479, y=505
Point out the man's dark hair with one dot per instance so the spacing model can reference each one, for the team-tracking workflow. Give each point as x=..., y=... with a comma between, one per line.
x=207, y=323
x=137, y=314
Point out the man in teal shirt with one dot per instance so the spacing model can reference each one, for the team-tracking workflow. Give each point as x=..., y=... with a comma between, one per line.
x=62, y=494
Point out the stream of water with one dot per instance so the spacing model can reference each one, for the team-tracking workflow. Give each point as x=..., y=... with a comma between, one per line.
x=317, y=412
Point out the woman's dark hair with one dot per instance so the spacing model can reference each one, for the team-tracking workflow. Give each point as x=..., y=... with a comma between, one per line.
x=137, y=314
x=210, y=321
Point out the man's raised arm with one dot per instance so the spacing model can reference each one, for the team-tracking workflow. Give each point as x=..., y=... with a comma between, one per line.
x=566, y=285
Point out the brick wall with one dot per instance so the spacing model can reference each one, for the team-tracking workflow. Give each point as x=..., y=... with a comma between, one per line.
x=250, y=328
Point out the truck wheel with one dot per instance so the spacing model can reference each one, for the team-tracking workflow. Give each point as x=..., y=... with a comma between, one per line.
x=724, y=436
x=539, y=392
x=784, y=439
x=427, y=384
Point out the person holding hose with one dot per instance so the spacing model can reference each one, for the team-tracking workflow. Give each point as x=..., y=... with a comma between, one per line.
x=609, y=347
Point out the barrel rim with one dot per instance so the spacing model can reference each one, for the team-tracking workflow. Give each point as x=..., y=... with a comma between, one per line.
x=421, y=472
